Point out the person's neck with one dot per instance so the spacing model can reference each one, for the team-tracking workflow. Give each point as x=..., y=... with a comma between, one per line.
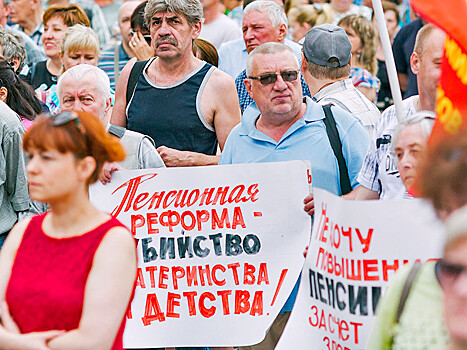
x=316, y=85
x=211, y=13
x=425, y=102
x=71, y=215
x=29, y=27
x=169, y=71
x=127, y=48
x=54, y=65
x=275, y=126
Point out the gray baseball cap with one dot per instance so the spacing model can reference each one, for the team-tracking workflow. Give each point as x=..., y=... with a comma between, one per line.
x=324, y=42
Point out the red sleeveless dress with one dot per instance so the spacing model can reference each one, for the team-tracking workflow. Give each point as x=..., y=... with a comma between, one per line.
x=46, y=287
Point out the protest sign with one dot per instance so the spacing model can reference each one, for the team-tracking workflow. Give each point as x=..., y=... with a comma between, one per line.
x=356, y=247
x=219, y=249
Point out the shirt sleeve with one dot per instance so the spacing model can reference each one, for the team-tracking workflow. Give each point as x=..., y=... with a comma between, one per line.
x=148, y=157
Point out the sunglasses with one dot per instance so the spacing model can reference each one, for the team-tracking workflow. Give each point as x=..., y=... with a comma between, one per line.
x=448, y=273
x=271, y=78
x=70, y=116
x=146, y=37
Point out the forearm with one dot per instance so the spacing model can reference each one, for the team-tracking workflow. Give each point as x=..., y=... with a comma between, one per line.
x=200, y=159
x=78, y=340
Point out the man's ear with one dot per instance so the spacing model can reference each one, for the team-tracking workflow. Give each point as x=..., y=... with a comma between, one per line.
x=3, y=94
x=282, y=32
x=303, y=65
x=415, y=63
x=247, y=83
x=196, y=30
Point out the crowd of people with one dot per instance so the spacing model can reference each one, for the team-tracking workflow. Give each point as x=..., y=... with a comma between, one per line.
x=89, y=88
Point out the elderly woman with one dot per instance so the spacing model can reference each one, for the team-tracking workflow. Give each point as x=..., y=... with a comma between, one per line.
x=451, y=272
x=409, y=142
x=57, y=20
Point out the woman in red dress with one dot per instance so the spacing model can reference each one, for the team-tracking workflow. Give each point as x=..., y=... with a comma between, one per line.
x=67, y=276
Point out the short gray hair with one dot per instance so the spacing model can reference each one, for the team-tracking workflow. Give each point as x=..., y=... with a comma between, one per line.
x=192, y=10
x=12, y=47
x=268, y=48
x=76, y=73
x=275, y=13
x=426, y=119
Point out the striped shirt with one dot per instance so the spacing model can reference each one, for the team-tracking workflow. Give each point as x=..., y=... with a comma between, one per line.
x=379, y=171
x=106, y=62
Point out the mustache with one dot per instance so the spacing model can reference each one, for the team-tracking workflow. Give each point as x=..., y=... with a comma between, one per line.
x=166, y=39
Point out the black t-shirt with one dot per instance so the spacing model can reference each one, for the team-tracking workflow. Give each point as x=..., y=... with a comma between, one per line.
x=402, y=47
x=38, y=75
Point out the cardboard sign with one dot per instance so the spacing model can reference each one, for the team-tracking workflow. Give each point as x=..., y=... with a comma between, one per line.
x=356, y=247
x=220, y=249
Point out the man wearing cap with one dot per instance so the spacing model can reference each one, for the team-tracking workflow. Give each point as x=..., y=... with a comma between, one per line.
x=326, y=69
x=280, y=125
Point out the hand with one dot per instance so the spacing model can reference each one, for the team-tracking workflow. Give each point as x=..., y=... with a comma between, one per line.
x=309, y=204
x=106, y=172
x=173, y=157
x=39, y=340
x=140, y=47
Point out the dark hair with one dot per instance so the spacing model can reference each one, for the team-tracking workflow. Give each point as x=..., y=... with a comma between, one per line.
x=20, y=96
x=70, y=15
x=83, y=136
x=137, y=18
x=207, y=51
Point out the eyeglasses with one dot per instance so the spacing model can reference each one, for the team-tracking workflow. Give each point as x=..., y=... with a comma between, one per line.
x=448, y=273
x=271, y=78
x=146, y=37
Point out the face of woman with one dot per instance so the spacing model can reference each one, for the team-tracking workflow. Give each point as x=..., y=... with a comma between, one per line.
x=453, y=278
x=71, y=59
x=54, y=31
x=354, y=40
x=391, y=22
x=45, y=169
x=409, y=146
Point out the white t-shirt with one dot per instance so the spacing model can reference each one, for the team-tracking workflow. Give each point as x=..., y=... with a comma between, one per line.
x=379, y=171
x=223, y=29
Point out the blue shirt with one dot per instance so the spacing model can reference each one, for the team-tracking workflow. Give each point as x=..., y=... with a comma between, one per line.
x=233, y=55
x=107, y=62
x=244, y=97
x=306, y=139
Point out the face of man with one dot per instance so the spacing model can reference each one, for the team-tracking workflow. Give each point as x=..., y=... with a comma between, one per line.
x=257, y=29
x=281, y=97
x=124, y=18
x=84, y=95
x=341, y=6
x=409, y=146
x=172, y=35
x=427, y=65
x=22, y=11
x=4, y=13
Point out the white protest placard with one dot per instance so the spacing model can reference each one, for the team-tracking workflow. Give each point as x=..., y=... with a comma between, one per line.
x=356, y=247
x=220, y=249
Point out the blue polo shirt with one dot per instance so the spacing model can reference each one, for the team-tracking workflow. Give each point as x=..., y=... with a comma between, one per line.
x=306, y=139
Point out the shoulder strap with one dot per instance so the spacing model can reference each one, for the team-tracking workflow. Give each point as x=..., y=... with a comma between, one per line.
x=116, y=62
x=133, y=78
x=406, y=289
x=116, y=130
x=336, y=144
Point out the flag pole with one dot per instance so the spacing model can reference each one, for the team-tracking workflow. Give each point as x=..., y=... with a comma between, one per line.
x=390, y=64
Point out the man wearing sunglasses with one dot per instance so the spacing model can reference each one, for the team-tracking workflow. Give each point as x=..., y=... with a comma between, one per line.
x=326, y=69
x=282, y=126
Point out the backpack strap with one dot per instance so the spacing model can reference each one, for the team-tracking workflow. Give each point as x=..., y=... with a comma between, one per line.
x=136, y=71
x=336, y=144
x=406, y=289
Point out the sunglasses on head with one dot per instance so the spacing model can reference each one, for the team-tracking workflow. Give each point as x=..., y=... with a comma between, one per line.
x=448, y=273
x=271, y=78
x=63, y=118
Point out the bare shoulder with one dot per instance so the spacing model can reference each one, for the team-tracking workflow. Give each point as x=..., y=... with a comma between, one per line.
x=15, y=236
x=118, y=239
x=220, y=80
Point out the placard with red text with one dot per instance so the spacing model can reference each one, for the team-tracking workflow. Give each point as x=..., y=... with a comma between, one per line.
x=220, y=249
x=356, y=247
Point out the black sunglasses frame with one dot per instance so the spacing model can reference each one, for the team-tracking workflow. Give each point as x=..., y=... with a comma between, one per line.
x=263, y=78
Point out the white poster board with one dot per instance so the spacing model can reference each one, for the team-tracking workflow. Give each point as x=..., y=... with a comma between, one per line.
x=356, y=247
x=220, y=248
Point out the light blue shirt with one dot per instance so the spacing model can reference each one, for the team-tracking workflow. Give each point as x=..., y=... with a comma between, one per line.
x=306, y=139
x=233, y=55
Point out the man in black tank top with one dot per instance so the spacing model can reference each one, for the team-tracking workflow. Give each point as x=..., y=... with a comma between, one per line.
x=187, y=106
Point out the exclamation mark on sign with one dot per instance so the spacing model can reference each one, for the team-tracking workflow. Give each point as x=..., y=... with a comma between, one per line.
x=279, y=285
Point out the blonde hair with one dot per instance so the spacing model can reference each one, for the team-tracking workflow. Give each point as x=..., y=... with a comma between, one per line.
x=79, y=37
x=367, y=34
x=310, y=14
